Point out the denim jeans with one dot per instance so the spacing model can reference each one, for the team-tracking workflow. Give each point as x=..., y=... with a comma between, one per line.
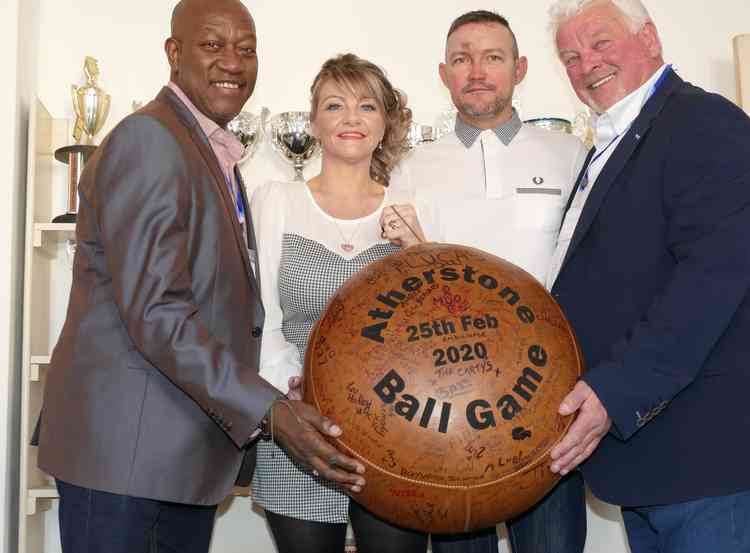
x=711, y=525
x=92, y=521
x=557, y=524
x=483, y=541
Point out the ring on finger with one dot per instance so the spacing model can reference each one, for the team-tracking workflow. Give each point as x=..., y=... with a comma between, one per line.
x=315, y=473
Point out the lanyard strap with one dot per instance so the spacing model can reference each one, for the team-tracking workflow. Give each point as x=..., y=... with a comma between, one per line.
x=238, y=203
x=585, y=179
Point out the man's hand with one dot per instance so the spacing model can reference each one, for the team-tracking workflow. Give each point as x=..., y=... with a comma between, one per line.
x=585, y=433
x=300, y=428
x=296, y=390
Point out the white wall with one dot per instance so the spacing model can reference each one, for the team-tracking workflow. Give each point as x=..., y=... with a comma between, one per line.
x=18, y=30
x=295, y=37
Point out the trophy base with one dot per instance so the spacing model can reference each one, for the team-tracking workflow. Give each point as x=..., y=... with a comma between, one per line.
x=63, y=154
x=65, y=218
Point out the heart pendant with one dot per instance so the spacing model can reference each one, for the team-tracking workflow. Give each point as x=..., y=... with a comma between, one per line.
x=347, y=247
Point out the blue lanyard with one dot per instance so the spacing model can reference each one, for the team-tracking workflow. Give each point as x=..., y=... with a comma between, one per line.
x=239, y=204
x=585, y=178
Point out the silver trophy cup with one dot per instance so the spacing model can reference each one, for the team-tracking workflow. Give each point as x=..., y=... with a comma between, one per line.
x=246, y=127
x=551, y=124
x=291, y=137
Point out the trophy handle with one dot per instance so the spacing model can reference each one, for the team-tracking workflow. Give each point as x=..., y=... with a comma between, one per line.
x=78, y=130
x=265, y=113
x=74, y=96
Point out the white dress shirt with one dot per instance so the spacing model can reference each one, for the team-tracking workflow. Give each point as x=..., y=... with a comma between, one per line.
x=609, y=128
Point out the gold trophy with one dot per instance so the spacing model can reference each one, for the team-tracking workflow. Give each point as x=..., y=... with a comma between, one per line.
x=91, y=105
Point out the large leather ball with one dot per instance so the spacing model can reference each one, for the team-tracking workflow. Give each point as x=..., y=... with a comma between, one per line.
x=445, y=367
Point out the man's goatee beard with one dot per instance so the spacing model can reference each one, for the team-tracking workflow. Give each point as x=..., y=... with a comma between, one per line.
x=491, y=110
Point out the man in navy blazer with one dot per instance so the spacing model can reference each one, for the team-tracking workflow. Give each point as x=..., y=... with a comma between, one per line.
x=652, y=269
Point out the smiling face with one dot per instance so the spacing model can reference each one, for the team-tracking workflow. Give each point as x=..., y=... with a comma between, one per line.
x=349, y=124
x=480, y=72
x=213, y=58
x=605, y=60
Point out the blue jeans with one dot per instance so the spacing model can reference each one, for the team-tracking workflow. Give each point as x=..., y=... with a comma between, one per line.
x=711, y=525
x=483, y=541
x=557, y=524
x=92, y=521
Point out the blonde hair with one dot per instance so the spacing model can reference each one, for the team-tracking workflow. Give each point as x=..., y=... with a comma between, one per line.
x=363, y=77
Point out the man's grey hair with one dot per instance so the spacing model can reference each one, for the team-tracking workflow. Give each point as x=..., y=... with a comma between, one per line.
x=635, y=13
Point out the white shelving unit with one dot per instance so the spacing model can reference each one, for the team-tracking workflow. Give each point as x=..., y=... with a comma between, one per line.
x=46, y=286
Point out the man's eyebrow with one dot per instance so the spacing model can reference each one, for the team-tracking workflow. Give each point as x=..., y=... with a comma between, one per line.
x=464, y=50
x=214, y=27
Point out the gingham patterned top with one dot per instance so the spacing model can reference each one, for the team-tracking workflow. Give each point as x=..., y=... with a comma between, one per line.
x=301, y=264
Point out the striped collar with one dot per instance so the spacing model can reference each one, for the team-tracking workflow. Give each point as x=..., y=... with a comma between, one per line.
x=506, y=132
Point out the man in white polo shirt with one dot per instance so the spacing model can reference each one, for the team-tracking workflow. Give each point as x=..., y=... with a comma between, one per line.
x=500, y=186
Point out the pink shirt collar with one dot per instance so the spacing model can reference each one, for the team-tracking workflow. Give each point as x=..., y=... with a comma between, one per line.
x=227, y=148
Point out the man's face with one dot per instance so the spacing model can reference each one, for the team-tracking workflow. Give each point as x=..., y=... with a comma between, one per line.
x=604, y=59
x=481, y=73
x=214, y=60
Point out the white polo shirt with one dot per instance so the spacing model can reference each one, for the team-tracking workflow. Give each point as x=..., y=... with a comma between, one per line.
x=505, y=199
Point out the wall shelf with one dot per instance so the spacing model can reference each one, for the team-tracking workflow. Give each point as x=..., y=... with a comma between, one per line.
x=35, y=494
x=35, y=362
x=40, y=228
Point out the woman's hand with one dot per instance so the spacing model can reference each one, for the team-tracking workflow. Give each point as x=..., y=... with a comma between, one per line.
x=296, y=391
x=401, y=226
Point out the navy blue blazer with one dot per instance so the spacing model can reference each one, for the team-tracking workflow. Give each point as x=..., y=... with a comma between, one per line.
x=655, y=284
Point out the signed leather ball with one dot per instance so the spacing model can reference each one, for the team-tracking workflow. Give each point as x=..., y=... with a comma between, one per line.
x=445, y=367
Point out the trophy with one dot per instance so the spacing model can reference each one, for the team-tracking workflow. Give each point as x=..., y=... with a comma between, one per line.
x=446, y=121
x=551, y=124
x=91, y=106
x=420, y=134
x=247, y=128
x=582, y=128
x=291, y=137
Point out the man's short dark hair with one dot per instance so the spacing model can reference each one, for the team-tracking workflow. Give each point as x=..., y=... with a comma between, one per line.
x=483, y=16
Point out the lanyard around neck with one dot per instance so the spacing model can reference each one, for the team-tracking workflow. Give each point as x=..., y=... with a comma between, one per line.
x=585, y=178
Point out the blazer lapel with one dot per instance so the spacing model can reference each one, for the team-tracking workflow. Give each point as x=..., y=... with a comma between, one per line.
x=204, y=147
x=619, y=158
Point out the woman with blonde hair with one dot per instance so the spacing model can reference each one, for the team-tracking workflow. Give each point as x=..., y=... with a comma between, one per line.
x=311, y=238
